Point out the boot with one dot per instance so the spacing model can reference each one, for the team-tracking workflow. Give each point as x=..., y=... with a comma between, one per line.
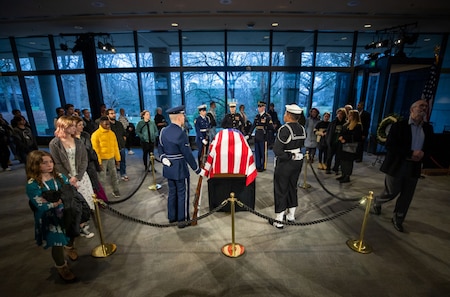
x=290, y=216
x=320, y=166
x=65, y=273
x=324, y=166
x=344, y=179
x=279, y=217
x=71, y=252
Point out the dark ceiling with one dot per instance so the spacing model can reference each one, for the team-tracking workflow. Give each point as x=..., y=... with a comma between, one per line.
x=42, y=17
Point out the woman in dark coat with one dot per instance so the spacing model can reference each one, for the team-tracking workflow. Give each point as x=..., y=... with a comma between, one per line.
x=351, y=135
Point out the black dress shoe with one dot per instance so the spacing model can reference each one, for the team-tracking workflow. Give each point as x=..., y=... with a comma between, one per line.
x=344, y=180
x=328, y=172
x=340, y=177
x=376, y=209
x=397, y=225
x=182, y=225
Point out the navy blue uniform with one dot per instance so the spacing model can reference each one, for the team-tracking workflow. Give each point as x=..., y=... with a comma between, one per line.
x=174, y=146
x=202, y=126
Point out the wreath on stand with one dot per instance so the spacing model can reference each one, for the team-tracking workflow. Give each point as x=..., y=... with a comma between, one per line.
x=385, y=126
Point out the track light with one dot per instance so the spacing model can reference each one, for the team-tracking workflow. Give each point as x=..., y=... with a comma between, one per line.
x=101, y=46
x=110, y=47
x=64, y=47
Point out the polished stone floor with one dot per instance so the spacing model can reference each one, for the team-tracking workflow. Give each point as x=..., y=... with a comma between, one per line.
x=308, y=259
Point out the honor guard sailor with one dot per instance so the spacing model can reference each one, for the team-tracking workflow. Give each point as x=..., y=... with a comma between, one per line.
x=175, y=153
x=288, y=164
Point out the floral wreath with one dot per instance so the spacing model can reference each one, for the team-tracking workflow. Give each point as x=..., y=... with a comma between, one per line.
x=385, y=126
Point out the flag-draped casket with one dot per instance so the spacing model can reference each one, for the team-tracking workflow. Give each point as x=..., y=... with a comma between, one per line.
x=230, y=167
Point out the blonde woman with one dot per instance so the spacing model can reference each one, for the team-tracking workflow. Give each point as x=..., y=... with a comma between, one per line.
x=71, y=160
x=351, y=134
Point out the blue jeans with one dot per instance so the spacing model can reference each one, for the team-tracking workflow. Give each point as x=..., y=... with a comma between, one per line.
x=123, y=163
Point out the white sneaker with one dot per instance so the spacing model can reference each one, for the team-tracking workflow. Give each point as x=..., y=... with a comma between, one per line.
x=130, y=152
x=84, y=232
x=124, y=178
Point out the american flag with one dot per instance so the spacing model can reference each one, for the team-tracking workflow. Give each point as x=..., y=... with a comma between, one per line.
x=430, y=86
x=230, y=153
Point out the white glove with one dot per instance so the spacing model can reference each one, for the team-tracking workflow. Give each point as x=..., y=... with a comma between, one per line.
x=166, y=162
x=246, y=137
x=202, y=173
x=205, y=142
x=297, y=156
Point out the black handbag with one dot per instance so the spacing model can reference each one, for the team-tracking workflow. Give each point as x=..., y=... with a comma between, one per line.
x=350, y=147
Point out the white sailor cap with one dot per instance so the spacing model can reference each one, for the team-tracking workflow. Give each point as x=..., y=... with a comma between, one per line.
x=294, y=108
x=232, y=104
x=201, y=107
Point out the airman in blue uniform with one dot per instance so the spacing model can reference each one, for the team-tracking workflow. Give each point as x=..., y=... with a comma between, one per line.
x=175, y=153
x=202, y=126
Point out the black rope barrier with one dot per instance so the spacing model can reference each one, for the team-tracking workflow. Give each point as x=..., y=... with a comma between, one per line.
x=130, y=218
x=322, y=220
x=241, y=204
x=133, y=192
x=328, y=191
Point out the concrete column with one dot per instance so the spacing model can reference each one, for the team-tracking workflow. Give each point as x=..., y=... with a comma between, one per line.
x=48, y=87
x=163, y=90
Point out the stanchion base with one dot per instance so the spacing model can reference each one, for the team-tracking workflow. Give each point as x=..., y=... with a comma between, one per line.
x=305, y=186
x=359, y=246
x=104, y=250
x=228, y=250
x=154, y=187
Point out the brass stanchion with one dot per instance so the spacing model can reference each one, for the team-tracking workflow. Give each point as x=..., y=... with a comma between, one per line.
x=358, y=245
x=305, y=185
x=155, y=186
x=233, y=250
x=104, y=249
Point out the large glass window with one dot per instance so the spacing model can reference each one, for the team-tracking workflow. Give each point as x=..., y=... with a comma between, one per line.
x=6, y=58
x=75, y=90
x=120, y=91
x=325, y=89
x=248, y=88
x=441, y=106
x=10, y=97
x=116, y=51
x=248, y=48
x=158, y=49
x=292, y=48
x=161, y=89
x=334, y=49
x=203, y=49
x=34, y=53
x=290, y=87
x=202, y=88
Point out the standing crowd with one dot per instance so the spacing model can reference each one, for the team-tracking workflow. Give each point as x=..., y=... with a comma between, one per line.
x=85, y=151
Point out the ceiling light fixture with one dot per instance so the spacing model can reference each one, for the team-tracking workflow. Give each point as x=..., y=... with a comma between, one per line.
x=275, y=24
x=64, y=47
x=174, y=25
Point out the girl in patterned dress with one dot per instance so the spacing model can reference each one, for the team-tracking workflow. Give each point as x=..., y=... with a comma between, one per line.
x=48, y=216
